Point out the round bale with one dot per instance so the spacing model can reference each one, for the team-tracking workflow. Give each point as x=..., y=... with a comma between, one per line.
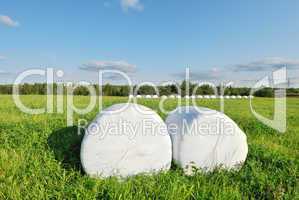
x=205, y=139
x=125, y=140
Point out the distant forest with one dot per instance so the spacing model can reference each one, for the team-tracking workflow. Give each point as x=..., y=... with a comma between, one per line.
x=124, y=90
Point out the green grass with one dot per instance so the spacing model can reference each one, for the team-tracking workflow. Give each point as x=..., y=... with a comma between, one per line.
x=39, y=158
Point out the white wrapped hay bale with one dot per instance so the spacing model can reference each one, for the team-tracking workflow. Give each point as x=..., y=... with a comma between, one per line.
x=148, y=96
x=155, y=96
x=139, y=96
x=205, y=139
x=199, y=96
x=117, y=144
x=227, y=97
x=171, y=96
x=233, y=97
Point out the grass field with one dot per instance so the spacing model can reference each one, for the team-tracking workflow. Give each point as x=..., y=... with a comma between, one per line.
x=39, y=158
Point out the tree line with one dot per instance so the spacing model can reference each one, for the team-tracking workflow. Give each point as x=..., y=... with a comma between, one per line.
x=124, y=90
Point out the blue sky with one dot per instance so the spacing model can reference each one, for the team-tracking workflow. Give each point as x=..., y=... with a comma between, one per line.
x=219, y=40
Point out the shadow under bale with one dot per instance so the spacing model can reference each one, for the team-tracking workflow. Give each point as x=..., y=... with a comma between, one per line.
x=65, y=144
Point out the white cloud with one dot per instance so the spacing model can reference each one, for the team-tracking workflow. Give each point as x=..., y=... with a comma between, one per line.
x=131, y=4
x=95, y=65
x=3, y=72
x=2, y=58
x=6, y=20
x=267, y=64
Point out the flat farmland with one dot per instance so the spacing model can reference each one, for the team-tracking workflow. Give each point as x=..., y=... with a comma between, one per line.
x=40, y=157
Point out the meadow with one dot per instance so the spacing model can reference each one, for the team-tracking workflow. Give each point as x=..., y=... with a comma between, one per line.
x=39, y=157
